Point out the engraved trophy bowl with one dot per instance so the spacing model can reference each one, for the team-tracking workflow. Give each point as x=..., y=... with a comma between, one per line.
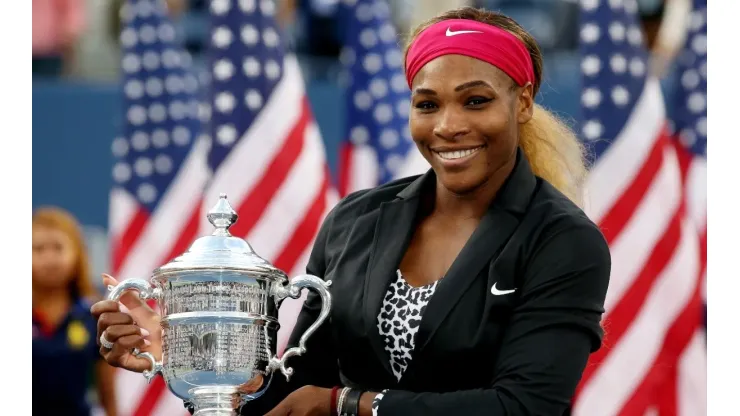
x=219, y=305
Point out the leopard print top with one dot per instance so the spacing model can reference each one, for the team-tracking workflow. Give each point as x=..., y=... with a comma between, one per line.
x=398, y=323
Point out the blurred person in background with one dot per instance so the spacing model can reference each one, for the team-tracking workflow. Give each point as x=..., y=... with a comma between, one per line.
x=65, y=353
x=56, y=27
x=424, y=10
x=313, y=25
x=665, y=23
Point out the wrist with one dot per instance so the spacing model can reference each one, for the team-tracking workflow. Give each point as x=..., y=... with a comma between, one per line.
x=333, y=401
x=348, y=402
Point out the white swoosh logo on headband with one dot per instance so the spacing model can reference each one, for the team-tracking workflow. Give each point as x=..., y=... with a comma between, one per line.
x=460, y=32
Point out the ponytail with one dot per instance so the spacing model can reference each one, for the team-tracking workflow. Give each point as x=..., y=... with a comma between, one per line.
x=554, y=153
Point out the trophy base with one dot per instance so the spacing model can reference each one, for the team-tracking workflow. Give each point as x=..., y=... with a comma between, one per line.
x=215, y=401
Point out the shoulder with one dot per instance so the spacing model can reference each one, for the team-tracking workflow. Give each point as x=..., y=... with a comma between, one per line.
x=367, y=200
x=562, y=225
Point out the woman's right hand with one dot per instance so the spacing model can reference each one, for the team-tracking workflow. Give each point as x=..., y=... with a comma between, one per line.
x=136, y=328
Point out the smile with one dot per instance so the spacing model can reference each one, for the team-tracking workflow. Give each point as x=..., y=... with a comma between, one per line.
x=458, y=154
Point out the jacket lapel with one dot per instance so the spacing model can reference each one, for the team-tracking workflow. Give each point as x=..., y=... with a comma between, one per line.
x=495, y=229
x=393, y=231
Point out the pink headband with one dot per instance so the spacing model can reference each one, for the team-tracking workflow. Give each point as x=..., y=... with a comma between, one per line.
x=474, y=39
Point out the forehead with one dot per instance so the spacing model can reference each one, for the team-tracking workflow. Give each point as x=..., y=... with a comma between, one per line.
x=449, y=71
x=42, y=233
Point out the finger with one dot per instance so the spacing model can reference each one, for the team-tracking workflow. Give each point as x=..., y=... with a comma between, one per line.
x=129, y=342
x=108, y=319
x=121, y=354
x=113, y=333
x=104, y=306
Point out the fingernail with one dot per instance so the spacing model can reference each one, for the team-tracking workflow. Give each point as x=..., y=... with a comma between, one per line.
x=144, y=332
x=147, y=342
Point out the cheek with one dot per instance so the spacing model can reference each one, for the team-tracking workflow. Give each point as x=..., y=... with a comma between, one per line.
x=421, y=127
x=67, y=261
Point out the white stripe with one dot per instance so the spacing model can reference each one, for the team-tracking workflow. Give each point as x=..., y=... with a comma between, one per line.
x=169, y=405
x=130, y=387
x=696, y=192
x=364, y=170
x=169, y=220
x=692, y=378
x=123, y=208
x=629, y=360
x=632, y=249
x=293, y=200
x=616, y=168
x=652, y=411
x=247, y=162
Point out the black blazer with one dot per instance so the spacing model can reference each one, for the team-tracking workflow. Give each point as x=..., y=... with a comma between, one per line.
x=477, y=353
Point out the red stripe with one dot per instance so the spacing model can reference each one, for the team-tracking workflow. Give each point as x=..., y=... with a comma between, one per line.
x=668, y=394
x=345, y=167
x=620, y=213
x=150, y=398
x=306, y=230
x=122, y=246
x=251, y=209
x=685, y=157
x=677, y=338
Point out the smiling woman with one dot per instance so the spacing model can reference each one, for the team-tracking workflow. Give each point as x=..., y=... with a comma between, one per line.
x=474, y=289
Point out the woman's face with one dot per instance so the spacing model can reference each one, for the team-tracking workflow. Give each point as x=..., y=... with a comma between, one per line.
x=54, y=257
x=465, y=116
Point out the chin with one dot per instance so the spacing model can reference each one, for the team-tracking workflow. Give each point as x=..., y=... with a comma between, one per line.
x=460, y=183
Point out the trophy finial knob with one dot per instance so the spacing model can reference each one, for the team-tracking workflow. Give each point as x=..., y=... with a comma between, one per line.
x=222, y=216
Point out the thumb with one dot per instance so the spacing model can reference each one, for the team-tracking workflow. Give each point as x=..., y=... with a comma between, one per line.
x=129, y=299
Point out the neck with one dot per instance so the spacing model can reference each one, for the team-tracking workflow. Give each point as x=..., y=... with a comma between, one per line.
x=50, y=299
x=473, y=204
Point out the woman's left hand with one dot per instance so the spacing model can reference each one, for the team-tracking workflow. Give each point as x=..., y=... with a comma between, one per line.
x=306, y=401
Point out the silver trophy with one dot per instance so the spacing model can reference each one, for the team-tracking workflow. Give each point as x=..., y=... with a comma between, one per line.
x=219, y=304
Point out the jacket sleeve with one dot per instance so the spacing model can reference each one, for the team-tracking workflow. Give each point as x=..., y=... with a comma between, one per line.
x=553, y=329
x=318, y=365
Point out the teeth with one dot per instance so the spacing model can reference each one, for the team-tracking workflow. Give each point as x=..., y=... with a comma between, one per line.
x=457, y=154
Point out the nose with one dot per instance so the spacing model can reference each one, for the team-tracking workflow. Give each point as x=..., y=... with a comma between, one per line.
x=451, y=124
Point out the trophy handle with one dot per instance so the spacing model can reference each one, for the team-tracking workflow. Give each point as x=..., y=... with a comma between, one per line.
x=146, y=291
x=293, y=290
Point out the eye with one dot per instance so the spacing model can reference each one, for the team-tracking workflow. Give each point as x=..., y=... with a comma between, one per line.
x=477, y=101
x=425, y=105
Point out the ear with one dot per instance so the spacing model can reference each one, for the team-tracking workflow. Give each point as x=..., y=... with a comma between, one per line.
x=525, y=104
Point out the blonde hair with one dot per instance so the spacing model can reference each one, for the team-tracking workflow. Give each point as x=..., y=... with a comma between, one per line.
x=551, y=147
x=59, y=219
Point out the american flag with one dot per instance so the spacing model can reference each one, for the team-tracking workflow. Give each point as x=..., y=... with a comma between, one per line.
x=686, y=388
x=159, y=173
x=377, y=146
x=266, y=150
x=636, y=195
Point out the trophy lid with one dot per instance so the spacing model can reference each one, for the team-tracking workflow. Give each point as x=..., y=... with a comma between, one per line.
x=221, y=250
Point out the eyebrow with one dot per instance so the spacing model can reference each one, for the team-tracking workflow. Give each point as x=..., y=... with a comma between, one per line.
x=461, y=87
